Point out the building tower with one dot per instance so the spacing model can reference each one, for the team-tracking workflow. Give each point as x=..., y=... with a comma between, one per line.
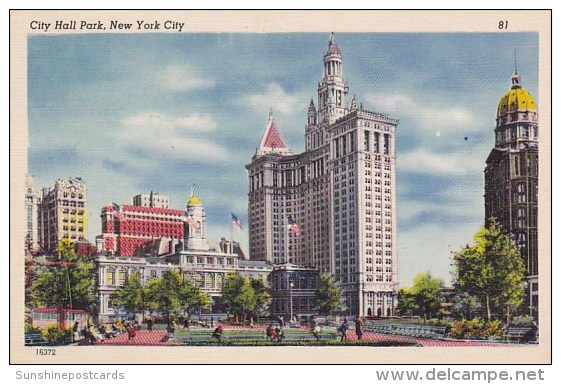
x=340, y=192
x=511, y=178
x=332, y=90
x=62, y=213
x=195, y=225
x=32, y=200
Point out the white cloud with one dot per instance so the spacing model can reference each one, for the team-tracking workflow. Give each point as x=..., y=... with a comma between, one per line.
x=153, y=120
x=455, y=201
x=276, y=98
x=176, y=78
x=428, y=117
x=165, y=137
x=422, y=160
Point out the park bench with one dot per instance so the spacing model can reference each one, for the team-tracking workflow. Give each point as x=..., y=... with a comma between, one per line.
x=409, y=330
x=519, y=335
x=192, y=337
x=34, y=339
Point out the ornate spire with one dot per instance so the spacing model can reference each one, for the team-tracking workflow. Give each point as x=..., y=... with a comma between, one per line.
x=332, y=48
x=354, y=104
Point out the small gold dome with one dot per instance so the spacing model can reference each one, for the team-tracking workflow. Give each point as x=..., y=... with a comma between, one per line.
x=194, y=201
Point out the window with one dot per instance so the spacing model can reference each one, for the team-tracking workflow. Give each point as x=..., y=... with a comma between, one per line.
x=121, y=276
x=110, y=276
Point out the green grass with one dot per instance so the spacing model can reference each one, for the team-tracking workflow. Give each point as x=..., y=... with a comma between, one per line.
x=308, y=343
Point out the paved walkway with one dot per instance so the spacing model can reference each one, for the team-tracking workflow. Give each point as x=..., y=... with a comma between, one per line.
x=143, y=337
x=159, y=338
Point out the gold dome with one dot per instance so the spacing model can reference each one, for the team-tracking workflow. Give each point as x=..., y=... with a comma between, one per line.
x=516, y=99
x=194, y=201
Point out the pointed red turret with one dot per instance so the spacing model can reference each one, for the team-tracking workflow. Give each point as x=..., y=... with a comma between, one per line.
x=272, y=141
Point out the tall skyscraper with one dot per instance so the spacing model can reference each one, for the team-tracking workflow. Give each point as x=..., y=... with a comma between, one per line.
x=63, y=213
x=32, y=200
x=511, y=177
x=340, y=193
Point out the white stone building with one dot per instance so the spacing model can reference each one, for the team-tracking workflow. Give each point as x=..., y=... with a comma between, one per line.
x=341, y=192
x=202, y=264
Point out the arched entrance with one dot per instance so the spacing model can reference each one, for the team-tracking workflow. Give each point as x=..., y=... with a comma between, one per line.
x=379, y=312
x=369, y=312
x=389, y=312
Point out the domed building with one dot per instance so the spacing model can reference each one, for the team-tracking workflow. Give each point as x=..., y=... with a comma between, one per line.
x=511, y=178
x=202, y=263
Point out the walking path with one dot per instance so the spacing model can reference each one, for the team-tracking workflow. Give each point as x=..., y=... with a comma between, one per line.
x=159, y=338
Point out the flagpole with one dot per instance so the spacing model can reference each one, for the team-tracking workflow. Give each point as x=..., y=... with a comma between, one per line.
x=231, y=236
x=286, y=242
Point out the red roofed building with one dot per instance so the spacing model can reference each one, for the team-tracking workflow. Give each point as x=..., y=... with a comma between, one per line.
x=130, y=230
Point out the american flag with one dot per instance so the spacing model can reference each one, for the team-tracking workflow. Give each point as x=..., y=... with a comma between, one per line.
x=237, y=223
x=293, y=227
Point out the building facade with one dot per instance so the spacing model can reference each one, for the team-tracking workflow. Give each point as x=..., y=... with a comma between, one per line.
x=138, y=229
x=511, y=178
x=62, y=213
x=293, y=290
x=32, y=200
x=152, y=199
x=200, y=263
x=341, y=192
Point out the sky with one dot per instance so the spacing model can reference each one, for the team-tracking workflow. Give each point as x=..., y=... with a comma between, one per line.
x=160, y=112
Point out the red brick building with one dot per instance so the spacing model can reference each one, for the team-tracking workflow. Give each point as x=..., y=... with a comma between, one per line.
x=130, y=230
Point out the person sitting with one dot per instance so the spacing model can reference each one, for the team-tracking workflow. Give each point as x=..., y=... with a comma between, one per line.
x=269, y=332
x=316, y=331
x=131, y=332
x=279, y=333
x=170, y=330
x=218, y=333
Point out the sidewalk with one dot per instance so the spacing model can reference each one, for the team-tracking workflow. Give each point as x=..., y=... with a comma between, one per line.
x=159, y=338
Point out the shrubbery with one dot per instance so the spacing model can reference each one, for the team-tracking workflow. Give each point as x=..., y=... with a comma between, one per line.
x=519, y=321
x=476, y=328
x=30, y=328
x=55, y=335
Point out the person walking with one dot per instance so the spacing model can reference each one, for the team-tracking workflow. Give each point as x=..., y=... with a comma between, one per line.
x=131, y=332
x=359, y=327
x=343, y=329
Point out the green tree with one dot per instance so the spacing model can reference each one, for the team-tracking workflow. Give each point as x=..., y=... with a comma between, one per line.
x=131, y=296
x=238, y=295
x=428, y=294
x=492, y=270
x=466, y=305
x=328, y=295
x=173, y=296
x=262, y=297
x=423, y=298
x=407, y=302
x=66, y=283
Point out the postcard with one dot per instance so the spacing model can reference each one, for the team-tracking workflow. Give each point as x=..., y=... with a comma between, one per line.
x=203, y=186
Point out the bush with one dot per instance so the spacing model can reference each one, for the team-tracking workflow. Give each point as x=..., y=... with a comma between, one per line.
x=519, y=321
x=476, y=328
x=55, y=335
x=493, y=328
x=30, y=328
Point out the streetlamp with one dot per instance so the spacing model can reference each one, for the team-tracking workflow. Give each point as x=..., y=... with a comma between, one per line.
x=290, y=286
